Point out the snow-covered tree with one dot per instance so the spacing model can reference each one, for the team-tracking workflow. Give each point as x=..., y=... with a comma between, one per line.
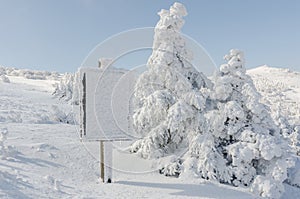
x=243, y=146
x=225, y=133
x=67, y=88
x=169, y=101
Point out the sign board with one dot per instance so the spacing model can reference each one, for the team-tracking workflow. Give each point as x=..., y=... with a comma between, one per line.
x=105, y=103
x=105, y=113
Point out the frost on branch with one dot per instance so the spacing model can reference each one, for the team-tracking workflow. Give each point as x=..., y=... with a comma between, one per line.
x=169, y=101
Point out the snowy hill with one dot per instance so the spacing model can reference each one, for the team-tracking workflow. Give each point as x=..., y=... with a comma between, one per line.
x=49, y=161
x=280, y=88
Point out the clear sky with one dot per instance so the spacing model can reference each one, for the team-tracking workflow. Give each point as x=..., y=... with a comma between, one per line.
x=58, y=34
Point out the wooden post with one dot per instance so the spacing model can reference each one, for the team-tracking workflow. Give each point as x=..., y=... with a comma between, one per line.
x=102, y=161
x=83, y=107
x=105, y=161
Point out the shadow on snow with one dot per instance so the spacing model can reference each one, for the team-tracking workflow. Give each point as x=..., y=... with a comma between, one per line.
x=200, y=190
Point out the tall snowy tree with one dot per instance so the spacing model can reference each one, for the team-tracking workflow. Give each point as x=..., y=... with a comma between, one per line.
x=169, y=101
x=243, y=146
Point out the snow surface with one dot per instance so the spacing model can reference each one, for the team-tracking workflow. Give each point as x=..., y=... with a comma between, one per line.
x=51, y=162
x=280, y=88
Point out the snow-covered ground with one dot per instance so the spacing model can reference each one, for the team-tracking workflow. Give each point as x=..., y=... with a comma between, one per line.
x=51, y=162
x=280, y=89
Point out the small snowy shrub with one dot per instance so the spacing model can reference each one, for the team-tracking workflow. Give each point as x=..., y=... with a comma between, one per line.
x=5, y=151
x=60, y=116
x=4, y=78
x=67, y=88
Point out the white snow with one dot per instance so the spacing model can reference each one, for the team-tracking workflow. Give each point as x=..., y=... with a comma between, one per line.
x=51, y=162
x=280, y=89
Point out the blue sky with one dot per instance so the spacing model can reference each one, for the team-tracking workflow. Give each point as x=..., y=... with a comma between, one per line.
x=57, y=35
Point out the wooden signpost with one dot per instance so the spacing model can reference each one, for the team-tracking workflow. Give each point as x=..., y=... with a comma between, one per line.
x=96, y=114
x=106, y=161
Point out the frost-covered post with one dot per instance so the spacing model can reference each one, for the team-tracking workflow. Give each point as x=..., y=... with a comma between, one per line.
x=168, y=92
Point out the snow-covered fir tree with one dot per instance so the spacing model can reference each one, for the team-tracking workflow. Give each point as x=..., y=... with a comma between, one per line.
x=169, y=101
x=242, y=146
